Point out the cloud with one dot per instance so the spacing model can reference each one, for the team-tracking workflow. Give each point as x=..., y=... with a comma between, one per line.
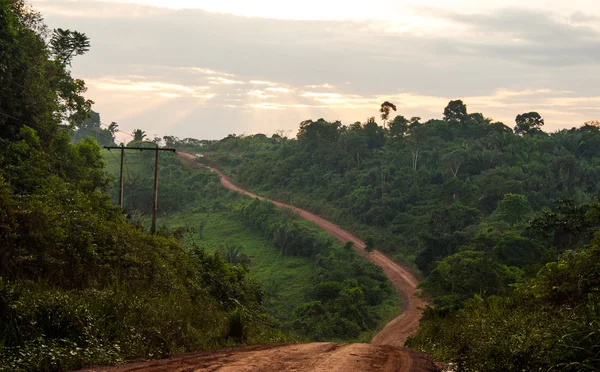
x=160, y=88
x=260, y=94
x=279, y=90
x=580, y=17
x=204, y=71
x=267, y=106
x=243, y=73
x=96, y=9
x=221, y=80
x=325, y=86
x=530, y=37
x=262, y=82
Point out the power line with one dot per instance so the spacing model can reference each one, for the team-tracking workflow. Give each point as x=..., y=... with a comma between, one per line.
x=155, y=192
x=127, y=169
x=113, y=155
x=184, y=215
x=188, y=172
x=117, y=131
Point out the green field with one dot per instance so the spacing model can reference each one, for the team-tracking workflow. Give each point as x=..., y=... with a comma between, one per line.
x=285, y=278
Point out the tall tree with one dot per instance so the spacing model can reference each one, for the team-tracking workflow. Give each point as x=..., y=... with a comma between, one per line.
x=513, y=208
x=374, y=134
x=385, y=109
x=398, y=126
x=138, y=135
x=91, y=127
x=113, y=127
x=92, y=121
x=318, y=132
x=456, y=111
x=454, y=159
x=66, y=44
x=529, y=123
x=24, y=58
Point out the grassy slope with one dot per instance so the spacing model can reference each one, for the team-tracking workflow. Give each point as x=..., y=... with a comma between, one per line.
x=285, y=278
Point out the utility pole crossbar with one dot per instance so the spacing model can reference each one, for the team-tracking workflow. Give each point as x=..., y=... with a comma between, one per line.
x=140, y=148
x=155, y=197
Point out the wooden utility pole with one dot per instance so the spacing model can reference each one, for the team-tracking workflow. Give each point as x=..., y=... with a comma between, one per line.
x=155, y=196
x=121, y=180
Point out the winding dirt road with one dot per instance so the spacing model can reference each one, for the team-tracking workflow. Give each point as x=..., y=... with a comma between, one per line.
x=395, y=332
x=384, y=354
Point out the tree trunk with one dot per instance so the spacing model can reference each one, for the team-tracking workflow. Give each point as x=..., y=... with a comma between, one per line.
x=415, y=155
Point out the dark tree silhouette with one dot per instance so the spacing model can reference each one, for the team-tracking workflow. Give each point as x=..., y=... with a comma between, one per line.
x=138, y=135
x=528, y=123
x=66, y=44
x=456, y=111
x=385, y=109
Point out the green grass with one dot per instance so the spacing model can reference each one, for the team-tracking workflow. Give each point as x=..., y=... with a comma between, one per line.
x=285, y=278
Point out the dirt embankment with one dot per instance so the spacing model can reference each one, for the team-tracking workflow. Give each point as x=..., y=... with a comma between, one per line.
x=384, y=354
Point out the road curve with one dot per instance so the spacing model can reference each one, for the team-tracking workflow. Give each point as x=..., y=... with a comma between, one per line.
x=398, y=330
x=384, y=354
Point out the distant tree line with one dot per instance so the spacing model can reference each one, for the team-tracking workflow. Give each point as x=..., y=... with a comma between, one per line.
x=486, y=213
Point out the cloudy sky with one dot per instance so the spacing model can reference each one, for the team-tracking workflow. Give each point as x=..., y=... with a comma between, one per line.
x=206, y=68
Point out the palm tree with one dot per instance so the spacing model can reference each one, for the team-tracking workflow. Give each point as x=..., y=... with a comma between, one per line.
x=138, y=135
x=113, y=127
x=233, y=254
x=385, y=111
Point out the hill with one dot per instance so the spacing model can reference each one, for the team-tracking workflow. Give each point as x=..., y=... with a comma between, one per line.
x=301, y=267
x=479, y=208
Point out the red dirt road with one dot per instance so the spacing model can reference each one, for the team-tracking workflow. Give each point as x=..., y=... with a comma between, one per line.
x=384, y=354
x=395, y=332
x=317, y=356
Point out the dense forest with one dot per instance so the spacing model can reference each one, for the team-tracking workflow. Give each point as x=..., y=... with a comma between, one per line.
x=500, y=221
x=79, y=285
x=83, y=283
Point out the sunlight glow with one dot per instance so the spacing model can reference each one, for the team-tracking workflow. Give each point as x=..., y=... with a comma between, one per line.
x=275, y=98
x=220, y=80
